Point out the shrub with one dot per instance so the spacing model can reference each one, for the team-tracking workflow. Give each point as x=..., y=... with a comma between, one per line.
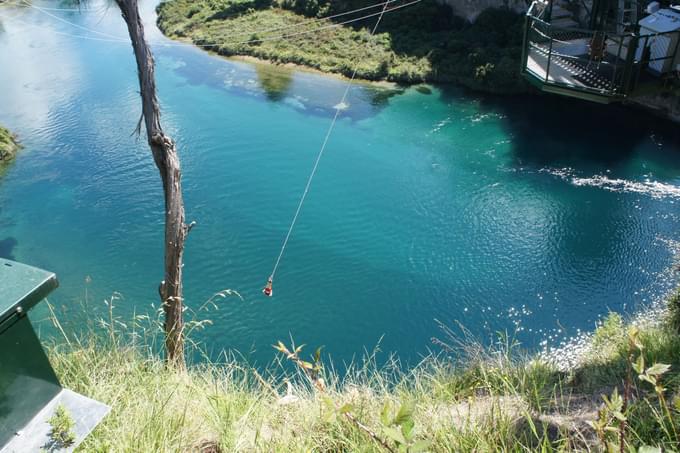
x=610, y=333
x=231, y=8
x=674, y=310
x=193, y=11
x=421, y=43
x=483, y=70
x=62, y=425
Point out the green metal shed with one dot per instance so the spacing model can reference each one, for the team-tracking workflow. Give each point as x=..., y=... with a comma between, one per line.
x=29, y=389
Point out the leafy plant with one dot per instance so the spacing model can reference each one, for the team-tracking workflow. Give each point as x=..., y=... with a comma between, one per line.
x=483, y=70
x=397, y=433
x=613, y=426
x=62, y=433
x=610, y=425
x=663, y=416
x=400, y=428
x=312, y=370
x=674, y=310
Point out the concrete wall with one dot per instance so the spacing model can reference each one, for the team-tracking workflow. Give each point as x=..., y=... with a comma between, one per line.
x=470, y=9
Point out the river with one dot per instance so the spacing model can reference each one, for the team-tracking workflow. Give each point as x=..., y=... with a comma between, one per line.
x=532, y=215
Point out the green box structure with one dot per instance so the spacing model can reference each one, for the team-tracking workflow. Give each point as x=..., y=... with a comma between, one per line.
x=29, y=389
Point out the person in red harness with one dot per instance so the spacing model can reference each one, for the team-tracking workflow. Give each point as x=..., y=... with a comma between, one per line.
x=268, y=291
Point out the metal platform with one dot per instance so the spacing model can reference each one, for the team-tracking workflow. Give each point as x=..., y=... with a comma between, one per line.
x=35, y=436
x=569, y=70
x=599, y=57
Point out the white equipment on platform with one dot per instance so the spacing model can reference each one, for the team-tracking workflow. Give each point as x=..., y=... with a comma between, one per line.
x=656, y=33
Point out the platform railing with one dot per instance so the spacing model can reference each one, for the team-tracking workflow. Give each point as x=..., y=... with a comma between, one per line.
x=574, y=58
x=600, y=64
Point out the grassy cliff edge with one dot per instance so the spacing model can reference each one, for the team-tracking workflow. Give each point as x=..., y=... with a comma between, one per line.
x=623, y=395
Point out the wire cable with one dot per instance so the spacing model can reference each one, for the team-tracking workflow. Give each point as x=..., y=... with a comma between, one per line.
x=307, y=23
x=70, y=35
x=310, y=21
x=22, y=3
x=318, y=157
x=251, y=41
x=326, y=27
x=73, y=24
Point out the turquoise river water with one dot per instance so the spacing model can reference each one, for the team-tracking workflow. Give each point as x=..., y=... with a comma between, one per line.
x=527, y=214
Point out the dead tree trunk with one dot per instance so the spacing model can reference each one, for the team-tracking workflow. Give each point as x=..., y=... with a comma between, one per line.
x=167, y=161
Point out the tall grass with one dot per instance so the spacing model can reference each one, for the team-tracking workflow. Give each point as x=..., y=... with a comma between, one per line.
x=486, y=399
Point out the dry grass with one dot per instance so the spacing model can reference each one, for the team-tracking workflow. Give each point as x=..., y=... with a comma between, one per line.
x=488, y=400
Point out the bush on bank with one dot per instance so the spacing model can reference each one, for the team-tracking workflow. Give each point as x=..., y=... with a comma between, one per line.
x=421, y=43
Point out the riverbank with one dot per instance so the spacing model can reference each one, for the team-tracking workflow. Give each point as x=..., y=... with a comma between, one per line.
x=489, y=400
x=8, y=146
x=421, y=43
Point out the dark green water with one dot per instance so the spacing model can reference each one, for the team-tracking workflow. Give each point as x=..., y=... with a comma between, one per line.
x=526, y=214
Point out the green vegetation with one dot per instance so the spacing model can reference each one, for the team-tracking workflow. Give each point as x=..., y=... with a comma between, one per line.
x=420, y=43
x=62, y=424
x=8, y=146
x=624, y=395
x=674, y=310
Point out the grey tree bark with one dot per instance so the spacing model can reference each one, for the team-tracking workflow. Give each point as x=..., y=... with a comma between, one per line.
x=167, y=160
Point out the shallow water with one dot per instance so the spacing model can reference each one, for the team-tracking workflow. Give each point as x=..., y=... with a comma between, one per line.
x=532, y=215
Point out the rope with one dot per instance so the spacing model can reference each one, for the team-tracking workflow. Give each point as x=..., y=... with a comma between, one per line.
x=25, y=3
x=308, y=22
x=326, y=27
x=125, y=40
x=211, y=45
x=67, y=22
x=321, y=151
x=70, y=35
